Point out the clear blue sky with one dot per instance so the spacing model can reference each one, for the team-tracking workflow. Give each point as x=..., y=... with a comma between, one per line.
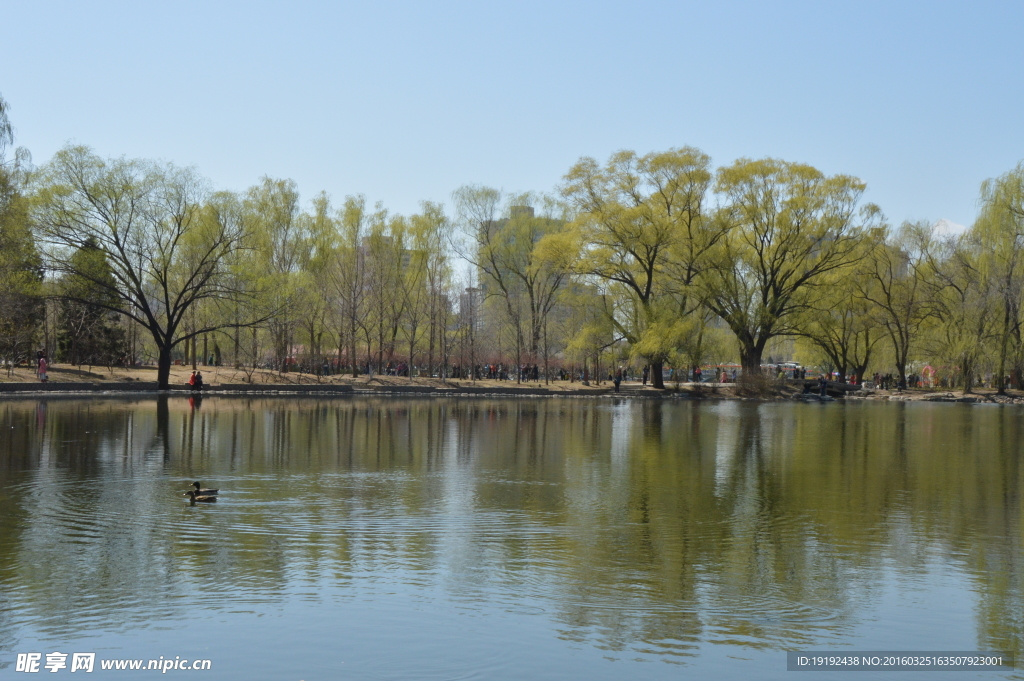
x=407, y=101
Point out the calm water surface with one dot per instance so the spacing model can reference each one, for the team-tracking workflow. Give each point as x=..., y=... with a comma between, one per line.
x=507, y=539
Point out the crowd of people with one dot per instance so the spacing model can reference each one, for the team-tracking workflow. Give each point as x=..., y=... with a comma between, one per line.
x=526, y=373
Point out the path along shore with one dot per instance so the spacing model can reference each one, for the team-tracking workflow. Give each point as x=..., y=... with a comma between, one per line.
x=227, y=380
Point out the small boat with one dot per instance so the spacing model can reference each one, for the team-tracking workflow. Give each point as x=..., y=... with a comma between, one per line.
x=193, y=498
x=204, y=492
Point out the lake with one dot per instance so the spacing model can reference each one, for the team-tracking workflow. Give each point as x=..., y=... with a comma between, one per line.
x=474, y=538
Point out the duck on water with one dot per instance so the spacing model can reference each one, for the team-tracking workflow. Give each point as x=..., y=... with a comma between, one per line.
x=193, y=498
x=201, y=495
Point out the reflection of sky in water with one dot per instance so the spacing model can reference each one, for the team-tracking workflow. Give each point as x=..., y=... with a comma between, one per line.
x=543, y=539
x=399, y=628
x=726, y=443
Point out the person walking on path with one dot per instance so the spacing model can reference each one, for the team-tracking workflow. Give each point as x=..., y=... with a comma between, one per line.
x=42, y=369
x=618, y=379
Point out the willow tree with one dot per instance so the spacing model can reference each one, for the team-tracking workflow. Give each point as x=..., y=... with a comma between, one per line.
x=1000, y=234
x=272, y=209
x=167, y=251
x=427, y=237
x=316, y=300
x=522, y=257
x=963, y=302
x=894, y=287
x=386, y=260
x=841, y=324
x=789, y=227
x=21, y=275
x=645, y=235
x=346, y=275
x=21, y=271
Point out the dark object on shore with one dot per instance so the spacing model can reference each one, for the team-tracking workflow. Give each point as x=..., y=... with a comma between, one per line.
x=193, y=498
x=204, y=492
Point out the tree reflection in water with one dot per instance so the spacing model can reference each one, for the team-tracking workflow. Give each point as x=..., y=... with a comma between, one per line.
x=646, y=526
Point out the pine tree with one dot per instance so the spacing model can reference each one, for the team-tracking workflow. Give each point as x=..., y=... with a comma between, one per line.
x=88, y=331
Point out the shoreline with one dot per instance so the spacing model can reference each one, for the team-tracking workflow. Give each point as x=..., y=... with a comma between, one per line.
x=226, y=381
x=685, y=391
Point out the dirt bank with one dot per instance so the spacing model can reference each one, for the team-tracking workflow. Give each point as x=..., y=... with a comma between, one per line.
x=271, y=380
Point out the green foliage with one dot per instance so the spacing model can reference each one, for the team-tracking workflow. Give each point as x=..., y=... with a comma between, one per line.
x=522, y=249
x=644, y=234
x=88, y=331
x=170, y=257
x=21, y=271
x=21, y=276
x=840, y=323
x=788, y=227
x=999, y=231
x=656, y=258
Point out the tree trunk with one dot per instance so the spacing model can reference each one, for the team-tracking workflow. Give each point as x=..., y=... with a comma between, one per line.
x=412, y=346
x=352, y=351
x=861, y=370
x=657, y=369
x=519, y=354
x=1001, y=384
x=163, y=367
x=901, y=370
x=902, y=357
x=430, y=349
x=547, y=375
x=750, y=357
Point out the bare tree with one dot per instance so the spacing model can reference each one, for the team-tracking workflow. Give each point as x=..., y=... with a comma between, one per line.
x=522, y=259
x=167, y=250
